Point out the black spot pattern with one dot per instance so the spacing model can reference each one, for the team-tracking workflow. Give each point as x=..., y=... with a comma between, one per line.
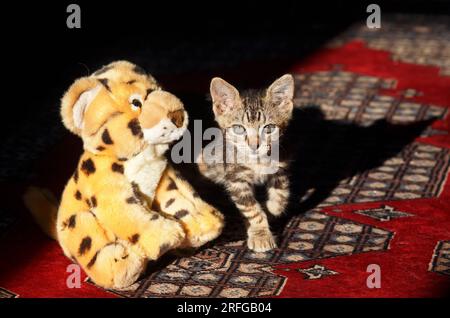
x=134, y=238
x=75, y=176
x=93, y=201
x=92, y=261
x=172, y=185
x=135, y=128
x=116, y=167
x=132, y=200
x=136, y=192
x=85, y=245
x=169, y=202
x=181, y=213
x=71, y=221
x=88, y=166
x=106, y=137
x=78, y=195
x=104, y=82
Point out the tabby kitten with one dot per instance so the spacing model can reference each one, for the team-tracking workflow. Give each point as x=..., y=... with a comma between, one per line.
x=251, y=123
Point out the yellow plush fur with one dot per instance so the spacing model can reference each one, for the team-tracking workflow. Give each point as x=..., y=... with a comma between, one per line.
x=124, y=204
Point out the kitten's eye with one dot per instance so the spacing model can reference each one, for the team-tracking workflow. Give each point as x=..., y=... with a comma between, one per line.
x=135, y=102
x=238, y=129
x=270, y=128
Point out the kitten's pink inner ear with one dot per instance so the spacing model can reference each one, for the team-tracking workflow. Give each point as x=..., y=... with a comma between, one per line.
x=282, y=89
x=224, y=95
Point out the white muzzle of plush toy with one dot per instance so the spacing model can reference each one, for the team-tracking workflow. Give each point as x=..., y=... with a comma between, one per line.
x=166, y=131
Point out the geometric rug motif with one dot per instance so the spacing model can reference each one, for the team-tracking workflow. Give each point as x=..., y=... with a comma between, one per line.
x=4, y=293
x=418, y=40
x=418, y=171
x=383, y=213
x=315, y=272
x=229, y=269
x=440, y=262
x=352, y=97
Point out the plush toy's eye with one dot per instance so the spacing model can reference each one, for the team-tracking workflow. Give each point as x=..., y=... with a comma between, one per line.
x=238, y=129
x=135, y=102
x=268, y=129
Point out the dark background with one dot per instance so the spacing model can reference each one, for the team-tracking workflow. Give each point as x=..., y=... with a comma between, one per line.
x=182, y=43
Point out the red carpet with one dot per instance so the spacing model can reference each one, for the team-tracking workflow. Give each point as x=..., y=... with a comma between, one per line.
x=395, y=214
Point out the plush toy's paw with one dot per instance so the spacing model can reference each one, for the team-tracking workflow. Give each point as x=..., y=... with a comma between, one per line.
x=163, y=235
x=261, y=240
x=202, y=226
x=117, y=267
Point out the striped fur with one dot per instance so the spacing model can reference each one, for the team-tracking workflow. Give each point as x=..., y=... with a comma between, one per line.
x=252, y=112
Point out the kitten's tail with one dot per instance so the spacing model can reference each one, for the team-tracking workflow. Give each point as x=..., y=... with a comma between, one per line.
x=44, y=209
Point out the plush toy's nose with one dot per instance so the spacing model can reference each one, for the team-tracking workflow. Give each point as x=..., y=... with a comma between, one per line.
x=177, y=117
x=161, y=105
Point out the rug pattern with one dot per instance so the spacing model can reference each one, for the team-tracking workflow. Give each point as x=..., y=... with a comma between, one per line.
x=383, y=213
x=411, y=39
x=440, y=262
x=229, y=269
x=4, y=293
x=418, y=171
x=393, y=213
x=315, y=272
x=353, y=97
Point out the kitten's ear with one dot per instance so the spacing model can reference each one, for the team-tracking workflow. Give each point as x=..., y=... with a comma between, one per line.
x=225, y=96
x=281, y=92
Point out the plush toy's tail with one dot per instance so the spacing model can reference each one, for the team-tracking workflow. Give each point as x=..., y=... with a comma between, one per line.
x=44, y=208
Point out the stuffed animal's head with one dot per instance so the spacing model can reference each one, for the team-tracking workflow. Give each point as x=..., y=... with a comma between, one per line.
x=120, y=109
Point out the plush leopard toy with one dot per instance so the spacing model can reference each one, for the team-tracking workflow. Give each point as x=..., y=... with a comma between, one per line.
x=124, y=205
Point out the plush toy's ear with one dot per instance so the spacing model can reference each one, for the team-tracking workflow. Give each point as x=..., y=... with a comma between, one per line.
x=281, y=93
x=225, y=96
x=76, y=101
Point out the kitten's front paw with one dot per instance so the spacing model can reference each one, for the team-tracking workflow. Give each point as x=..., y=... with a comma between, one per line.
x=275, y=207
x=261, y=240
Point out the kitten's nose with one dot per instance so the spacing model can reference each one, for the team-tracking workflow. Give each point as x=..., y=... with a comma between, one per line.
x=253, y=143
